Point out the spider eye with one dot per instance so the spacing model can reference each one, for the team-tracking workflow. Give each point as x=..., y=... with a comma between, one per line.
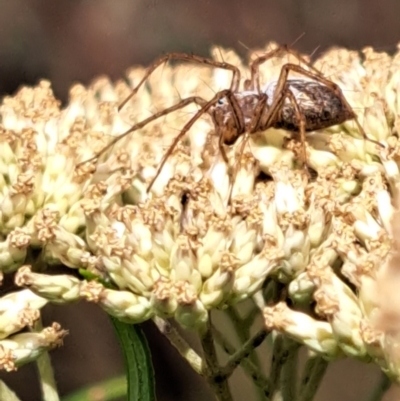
x=220, y=101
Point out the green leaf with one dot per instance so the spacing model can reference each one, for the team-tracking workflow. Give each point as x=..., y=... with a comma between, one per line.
x=140, y=373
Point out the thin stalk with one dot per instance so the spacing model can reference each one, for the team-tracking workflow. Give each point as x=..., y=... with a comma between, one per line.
x=313, y=374
x=249, y=319
x=186, y=351
x=276, y=366
x=46, y=373
x=217, y=381
x=258, y=378
x=248, y=347
x=289, y=371
x=242, y=330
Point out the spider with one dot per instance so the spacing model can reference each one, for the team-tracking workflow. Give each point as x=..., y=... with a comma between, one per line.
x=298, y=105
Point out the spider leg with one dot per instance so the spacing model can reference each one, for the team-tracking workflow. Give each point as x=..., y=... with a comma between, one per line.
x=255, y=64
x=186, y=57
x=204, y=109
x=193, y=99
x=239, y=122
x=331, y=85
x=253, y=127
x=236, y=170
x=302, y=125
x=255, y=123
x=267, y=120
x=312, y=73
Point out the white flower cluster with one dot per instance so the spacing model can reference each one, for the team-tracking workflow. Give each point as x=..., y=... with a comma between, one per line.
x=203, y=238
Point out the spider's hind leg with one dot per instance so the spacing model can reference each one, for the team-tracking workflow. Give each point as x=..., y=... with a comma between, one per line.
x=302, y=128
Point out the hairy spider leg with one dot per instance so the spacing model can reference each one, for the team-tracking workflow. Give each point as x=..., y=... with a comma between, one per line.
x=255, y=65
x=193, y=99
x=239, y=121
x=266, y=119
x=302, y=124
x=313, y=74
x=262, y=121
x=263, y=118
x=338, y=92
x=186, y=57
x=253, y=127
x=204, y=109
x=280, y=92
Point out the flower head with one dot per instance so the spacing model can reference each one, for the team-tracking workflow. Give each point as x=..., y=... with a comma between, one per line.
x=209, y=233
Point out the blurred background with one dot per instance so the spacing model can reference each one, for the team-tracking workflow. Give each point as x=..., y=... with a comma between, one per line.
x=71, y=41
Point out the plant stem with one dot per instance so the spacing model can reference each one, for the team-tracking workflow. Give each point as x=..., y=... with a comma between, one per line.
x=191, y=356
x=242, y=330
x=312, y=376
x=216, y=380
x=276, y=366
x=249, y=319
x=248, y=347
x=289, y=371
x=46, y=373
x=249, y=368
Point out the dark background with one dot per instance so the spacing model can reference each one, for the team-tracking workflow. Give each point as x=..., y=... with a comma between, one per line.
x=70, y=41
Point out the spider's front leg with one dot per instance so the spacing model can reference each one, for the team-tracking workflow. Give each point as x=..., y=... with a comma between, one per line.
x=193, y=99
x=205, y=108
x=186, y=57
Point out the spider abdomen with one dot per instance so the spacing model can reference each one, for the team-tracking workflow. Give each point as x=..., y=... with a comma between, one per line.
x=320, y=106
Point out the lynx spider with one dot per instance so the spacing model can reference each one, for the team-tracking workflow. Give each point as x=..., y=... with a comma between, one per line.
x=280, y=104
